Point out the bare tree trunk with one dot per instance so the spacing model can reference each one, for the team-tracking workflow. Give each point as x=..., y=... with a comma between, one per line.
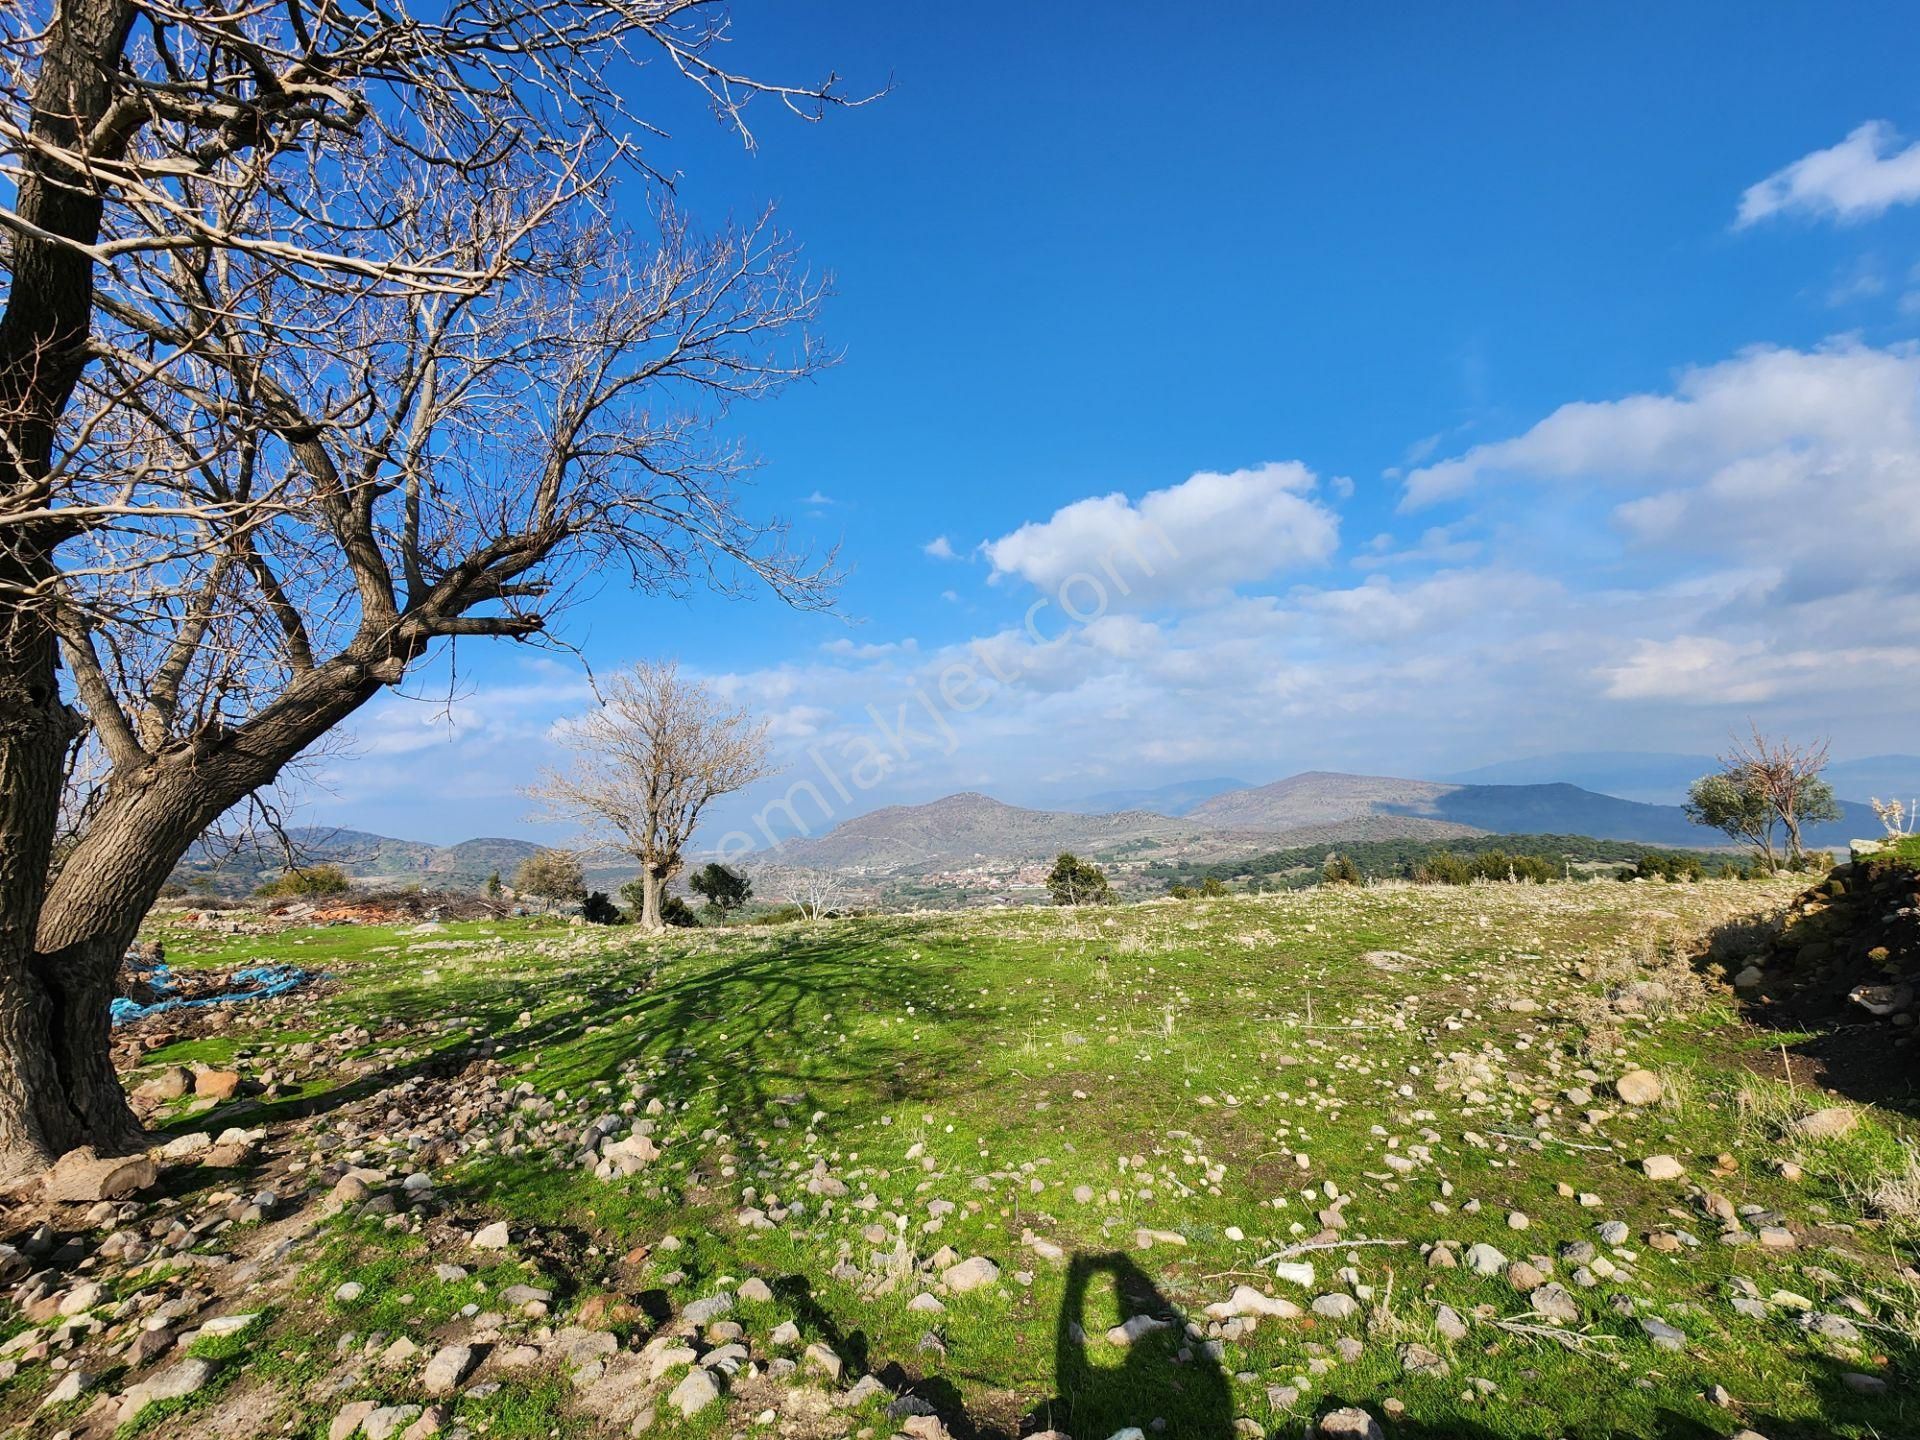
x=93, y=910
x=652, y=882
x=92, y=913
x=43, y=333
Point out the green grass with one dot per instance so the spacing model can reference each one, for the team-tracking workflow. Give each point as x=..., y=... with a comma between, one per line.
x=1199, y=1066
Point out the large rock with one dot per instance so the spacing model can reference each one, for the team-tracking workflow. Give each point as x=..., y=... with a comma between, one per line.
x=974, y=1274
x=1351, y=1423
x=1639, y=1087
x=695, y=1393
x=175, y=1382
x=216, y=1084
x=81, y=1177
x=629, y=1156
x=170, y=1084
x=448, y=1367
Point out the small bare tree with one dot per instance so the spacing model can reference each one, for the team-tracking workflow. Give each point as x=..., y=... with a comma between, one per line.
x=648, y=761
x=815, y=892
x=1896, y=818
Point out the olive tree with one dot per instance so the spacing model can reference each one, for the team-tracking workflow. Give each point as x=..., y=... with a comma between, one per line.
x=552, y=876
x=1767, y=788
x=320, y=350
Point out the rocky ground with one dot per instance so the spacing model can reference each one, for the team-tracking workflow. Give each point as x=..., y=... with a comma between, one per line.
x=1503, y=1161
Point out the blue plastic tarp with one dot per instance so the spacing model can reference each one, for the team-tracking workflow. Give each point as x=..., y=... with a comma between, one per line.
x=264, y=982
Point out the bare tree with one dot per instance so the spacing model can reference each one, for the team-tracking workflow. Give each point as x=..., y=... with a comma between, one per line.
x=319, y=352
x=815, y=892
x=655, y=753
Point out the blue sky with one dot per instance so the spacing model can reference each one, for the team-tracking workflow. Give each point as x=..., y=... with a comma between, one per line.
x=1548, y=377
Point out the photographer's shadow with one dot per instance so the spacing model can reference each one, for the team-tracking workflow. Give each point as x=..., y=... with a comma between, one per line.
x=1102, y=1388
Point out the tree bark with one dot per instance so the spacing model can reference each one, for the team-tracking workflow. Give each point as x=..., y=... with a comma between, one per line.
x=93, y=910
x=36, y=1122
x=652, y=882
x=43, y=333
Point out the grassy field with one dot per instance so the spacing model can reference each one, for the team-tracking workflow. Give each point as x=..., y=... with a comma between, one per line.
x=1127, y=1110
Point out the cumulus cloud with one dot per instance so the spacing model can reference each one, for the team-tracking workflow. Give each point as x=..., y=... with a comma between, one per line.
x=1803, y=464
x=940, y=548
x=1865, y=175
x=1187, y=543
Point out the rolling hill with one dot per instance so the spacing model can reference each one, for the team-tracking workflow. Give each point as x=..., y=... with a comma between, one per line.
x=1329, y=802
x=970, y=828
x=365, y=857
x=1662, y=778
x=1176, y=799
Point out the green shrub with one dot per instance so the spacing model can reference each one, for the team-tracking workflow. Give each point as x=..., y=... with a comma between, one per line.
x=312, y=881
x=598, y=909
x=1337, y=869
x=1074, y=881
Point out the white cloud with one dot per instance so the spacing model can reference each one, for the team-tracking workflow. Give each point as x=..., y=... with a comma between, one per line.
x=1865, y=175
x=940, y=548
x=1800, y=464
x=1708, y=670
x=876, y=650
x=1188, y=543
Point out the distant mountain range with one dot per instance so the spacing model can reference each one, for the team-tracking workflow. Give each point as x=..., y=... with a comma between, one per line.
x=366, y=857
x=1662, y=779
x=1317, y=807
x=959, y=831
x=1599, y=794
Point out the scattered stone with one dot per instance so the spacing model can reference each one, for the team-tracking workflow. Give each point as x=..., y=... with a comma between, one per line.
x=216, y=1084
x=493, y=1237
x=1662, y=1167
x=449, y=1366
x=1336, y=1306
x=1555, y=1302
x=72, y=1386
x=629, y=1156
x=176, y=1382
x=388, y=1421
x=1524, y=1277
x=974, y=1274
x=1418, y=1359
x=1483, y=1259
x=693, y=1394
x=80, y=1177
x=347, y=1422
x=1351, y=1422
x=1663, y=1335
